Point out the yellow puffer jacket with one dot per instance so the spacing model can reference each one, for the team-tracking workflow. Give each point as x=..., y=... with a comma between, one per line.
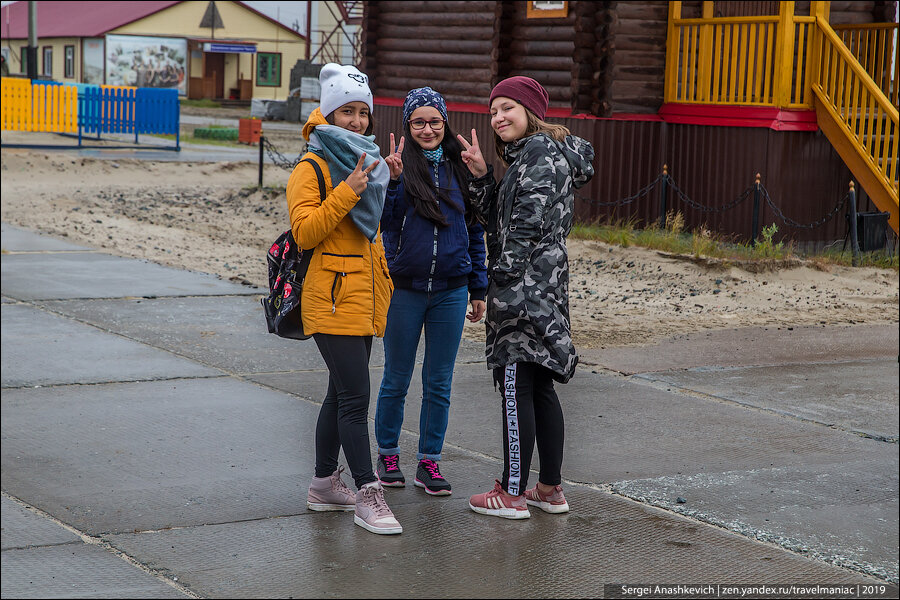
x=347, y=289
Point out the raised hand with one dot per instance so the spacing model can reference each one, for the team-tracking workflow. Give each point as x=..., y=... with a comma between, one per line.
x=393, y=160
x=472, y=156
x=358, y=179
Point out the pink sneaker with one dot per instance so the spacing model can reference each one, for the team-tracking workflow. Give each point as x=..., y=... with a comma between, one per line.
x=552, y=503
x=330, y=493
x=372, y=511
x=500, y=504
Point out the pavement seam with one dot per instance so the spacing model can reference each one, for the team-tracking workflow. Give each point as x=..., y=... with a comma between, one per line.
x=648, y=379
x=662, y=385
x=100, y=542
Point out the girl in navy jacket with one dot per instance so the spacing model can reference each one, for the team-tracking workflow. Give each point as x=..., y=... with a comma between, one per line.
x=436, y=256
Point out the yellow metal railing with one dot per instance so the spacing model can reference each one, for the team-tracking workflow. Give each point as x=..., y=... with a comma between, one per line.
x=38, y=107
x=875, y=47
x=868, y=118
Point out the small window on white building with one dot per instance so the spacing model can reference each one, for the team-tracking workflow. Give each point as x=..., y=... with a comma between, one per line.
x=70, y=62
x=48, y=61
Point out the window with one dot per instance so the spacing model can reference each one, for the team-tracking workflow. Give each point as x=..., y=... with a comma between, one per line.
x=547, y=10
x=268, y=69
x=48, y=60
x=23, y=59
x=70, y=62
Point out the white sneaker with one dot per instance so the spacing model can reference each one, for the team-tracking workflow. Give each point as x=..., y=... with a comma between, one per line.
x=372, y=511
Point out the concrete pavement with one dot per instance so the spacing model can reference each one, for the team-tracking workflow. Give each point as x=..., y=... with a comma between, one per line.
x=157, y=442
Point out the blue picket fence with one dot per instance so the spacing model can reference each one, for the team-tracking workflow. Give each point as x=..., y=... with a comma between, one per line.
x=128, y=110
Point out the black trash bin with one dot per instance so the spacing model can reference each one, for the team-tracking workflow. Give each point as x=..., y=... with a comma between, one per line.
x=871, y=230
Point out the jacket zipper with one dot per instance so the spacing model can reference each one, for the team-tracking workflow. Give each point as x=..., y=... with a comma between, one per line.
x=336, y=275
x=333, y=287
x=434, y=245
x=374, y=300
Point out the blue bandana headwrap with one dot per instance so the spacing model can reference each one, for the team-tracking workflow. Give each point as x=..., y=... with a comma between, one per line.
x=420, y=97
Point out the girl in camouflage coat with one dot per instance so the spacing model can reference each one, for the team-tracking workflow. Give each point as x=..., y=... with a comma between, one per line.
x=529, y=343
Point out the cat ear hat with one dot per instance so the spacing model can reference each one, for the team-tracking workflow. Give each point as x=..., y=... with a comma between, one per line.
x=342, y=84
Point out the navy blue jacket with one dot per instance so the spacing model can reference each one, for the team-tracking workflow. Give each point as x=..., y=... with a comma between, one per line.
x=427, y=257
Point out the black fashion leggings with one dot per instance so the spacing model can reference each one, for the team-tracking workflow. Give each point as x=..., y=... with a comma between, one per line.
x=531, y=411
x=344, y=416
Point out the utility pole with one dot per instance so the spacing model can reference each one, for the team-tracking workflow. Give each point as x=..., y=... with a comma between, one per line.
x=31, y=51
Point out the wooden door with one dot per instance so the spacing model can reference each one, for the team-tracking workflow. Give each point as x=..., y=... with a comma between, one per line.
x=214, y=72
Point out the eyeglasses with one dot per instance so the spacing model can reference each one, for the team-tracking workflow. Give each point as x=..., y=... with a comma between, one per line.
x=419, y=124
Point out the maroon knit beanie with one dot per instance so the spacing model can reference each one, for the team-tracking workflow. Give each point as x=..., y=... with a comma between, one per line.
x=526, y=91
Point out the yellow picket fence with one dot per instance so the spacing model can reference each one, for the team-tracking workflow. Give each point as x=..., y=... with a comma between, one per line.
x=28, y=106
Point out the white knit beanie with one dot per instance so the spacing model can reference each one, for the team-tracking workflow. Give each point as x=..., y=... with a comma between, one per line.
x=342, y=84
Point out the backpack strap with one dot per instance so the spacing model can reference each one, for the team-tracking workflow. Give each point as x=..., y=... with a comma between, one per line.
x=319, y=177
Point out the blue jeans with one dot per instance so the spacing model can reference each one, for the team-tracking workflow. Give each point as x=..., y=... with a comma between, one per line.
x=443, y=315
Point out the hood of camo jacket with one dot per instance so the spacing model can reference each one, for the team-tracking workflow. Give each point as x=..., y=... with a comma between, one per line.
x=348, y=288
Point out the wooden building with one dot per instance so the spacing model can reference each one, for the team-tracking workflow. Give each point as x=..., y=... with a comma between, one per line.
x=718, y=91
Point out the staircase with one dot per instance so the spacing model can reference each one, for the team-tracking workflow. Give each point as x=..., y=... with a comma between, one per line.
x=858, y=118
x=340, y=43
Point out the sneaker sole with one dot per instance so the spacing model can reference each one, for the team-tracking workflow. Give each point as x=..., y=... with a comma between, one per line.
x=554, y=509
x=327, y=507
x=378, y=530
x=392, y=483
x=506, y=513
x=430, y=491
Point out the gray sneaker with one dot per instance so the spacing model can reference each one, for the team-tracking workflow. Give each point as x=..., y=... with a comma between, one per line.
x=330, y=493
x=372, y=511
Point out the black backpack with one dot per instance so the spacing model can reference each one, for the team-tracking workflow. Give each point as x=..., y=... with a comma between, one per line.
x=288, y=264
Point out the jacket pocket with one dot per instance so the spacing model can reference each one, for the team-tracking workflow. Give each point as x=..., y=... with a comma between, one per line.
x=340, y=265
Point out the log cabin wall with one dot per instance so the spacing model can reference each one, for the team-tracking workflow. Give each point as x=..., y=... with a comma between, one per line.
x=638, y=73
x=445, y=45
x=543, y=49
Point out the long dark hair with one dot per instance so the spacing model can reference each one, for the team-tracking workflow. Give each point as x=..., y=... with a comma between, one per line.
x=421, y=191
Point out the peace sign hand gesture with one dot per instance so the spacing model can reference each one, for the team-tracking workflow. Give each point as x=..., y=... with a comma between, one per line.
x=393, y=160
x=358, y=179
x=472, y=156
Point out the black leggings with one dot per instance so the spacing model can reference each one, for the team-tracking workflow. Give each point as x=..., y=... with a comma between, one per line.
x=531, y=411
x=344, y=416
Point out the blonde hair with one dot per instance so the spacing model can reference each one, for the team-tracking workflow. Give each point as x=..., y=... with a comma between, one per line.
x=533, y=126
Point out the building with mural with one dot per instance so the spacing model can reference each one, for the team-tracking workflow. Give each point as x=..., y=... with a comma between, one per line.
x=217, y=50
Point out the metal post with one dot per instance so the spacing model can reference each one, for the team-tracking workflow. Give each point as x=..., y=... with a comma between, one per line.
x=262, y=142
x=663, y=197
x=854, y=237
x=756, y=199
x=31, y=50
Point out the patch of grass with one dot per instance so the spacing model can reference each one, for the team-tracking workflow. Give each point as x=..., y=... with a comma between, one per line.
x=190, y=139
x=703, y=243
x=204, y=103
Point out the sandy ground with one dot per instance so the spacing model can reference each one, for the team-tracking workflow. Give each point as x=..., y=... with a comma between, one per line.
x=209, y=217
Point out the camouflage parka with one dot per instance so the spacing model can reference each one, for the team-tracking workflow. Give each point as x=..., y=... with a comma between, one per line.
x=529, y=215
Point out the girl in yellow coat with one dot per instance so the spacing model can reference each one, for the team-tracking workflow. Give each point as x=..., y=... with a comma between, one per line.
x=347, y=289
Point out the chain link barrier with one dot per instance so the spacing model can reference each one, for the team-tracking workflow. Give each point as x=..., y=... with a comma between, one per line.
x=747, y=193
x=283, y=162
x=714, y=209
x=642, y=192
x=279, y=159
x=793, y=223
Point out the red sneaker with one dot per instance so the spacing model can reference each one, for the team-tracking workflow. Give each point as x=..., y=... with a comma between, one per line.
x=552, y=503
x=500, y=504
